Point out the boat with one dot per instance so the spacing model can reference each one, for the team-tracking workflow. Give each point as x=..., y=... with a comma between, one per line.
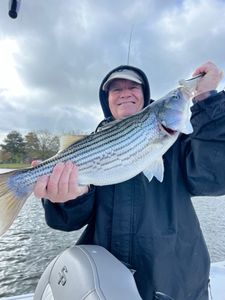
x=96, y=265
x=21, y=297
x=217, y=280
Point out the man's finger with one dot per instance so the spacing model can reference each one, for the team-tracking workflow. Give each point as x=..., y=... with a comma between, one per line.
x=35, y=163
x=52, y=188
x=40, y=189
x=73, y=185
x=63, y=185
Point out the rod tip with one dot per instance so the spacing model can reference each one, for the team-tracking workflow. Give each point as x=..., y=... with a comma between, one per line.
x=13, y=14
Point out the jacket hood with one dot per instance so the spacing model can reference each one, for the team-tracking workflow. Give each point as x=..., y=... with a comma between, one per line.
x=103, y=95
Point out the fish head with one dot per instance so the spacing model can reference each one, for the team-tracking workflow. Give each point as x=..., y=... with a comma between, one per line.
x=174, y=112
x=174, y=109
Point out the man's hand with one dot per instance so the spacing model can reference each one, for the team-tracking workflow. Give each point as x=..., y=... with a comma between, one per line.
x=61, y=185
x=211, y=79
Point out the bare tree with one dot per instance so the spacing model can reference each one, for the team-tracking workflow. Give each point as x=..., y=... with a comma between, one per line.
x=32, y=146
x=48, y=144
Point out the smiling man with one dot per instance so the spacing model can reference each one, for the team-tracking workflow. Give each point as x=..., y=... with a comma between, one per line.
x=125, y=93
x=150, y=226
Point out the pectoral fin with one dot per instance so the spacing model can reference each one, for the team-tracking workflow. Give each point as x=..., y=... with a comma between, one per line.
x=187, y=128
x=155, y=169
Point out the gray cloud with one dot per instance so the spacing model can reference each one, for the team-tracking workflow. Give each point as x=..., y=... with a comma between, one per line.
x=66, y=47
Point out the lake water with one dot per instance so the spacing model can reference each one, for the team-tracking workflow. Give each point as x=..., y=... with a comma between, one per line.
x=29, y=245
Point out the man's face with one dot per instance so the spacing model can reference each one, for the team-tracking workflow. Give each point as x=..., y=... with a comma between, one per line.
x=125, y=98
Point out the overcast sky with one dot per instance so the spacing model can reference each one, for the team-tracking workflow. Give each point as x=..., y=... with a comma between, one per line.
x=55, y=54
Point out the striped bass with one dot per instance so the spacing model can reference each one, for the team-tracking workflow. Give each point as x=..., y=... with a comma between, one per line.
x=117, y=152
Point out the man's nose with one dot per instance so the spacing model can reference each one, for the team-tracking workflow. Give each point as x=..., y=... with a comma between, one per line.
x=125, y=93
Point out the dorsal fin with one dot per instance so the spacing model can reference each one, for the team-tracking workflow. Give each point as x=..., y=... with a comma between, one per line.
x=108, y=125
x=66, y=140
x=114, y=122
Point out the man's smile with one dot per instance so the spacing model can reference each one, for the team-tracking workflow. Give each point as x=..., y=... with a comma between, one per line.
x=127, y=102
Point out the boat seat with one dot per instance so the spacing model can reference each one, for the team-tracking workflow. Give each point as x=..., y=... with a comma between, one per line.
x=86, y=272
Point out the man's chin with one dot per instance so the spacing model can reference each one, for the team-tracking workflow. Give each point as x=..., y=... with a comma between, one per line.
x=127, y=113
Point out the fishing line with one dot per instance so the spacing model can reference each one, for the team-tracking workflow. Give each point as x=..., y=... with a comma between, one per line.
x=129, y=45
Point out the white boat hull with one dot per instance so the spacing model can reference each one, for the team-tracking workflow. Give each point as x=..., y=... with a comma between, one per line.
x=217, y=284
x=217, y=280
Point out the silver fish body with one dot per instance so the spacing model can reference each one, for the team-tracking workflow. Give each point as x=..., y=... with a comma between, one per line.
x=116, y=153
x=112, y=155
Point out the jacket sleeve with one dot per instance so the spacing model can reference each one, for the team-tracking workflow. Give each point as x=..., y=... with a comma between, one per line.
x=204, y=150
x=71, y=215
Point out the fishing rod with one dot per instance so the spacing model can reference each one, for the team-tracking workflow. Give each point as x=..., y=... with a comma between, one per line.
x=14, y=6
x=129, y=45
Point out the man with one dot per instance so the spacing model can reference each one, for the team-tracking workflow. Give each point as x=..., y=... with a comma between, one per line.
x=150, y=226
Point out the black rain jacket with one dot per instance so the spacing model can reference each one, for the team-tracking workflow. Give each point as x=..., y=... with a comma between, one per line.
x=151, y=226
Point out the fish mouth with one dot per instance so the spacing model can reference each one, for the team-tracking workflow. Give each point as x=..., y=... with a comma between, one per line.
x=168, y=131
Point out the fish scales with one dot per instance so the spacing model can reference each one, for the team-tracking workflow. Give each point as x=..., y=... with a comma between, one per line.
x=122, y=147
x=119, y=148
x=100, y=144
x=132, y=151
x=104, y=147
x=122, y=138
x=117, y=152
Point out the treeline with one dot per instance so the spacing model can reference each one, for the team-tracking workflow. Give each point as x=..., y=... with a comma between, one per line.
x=17, y=148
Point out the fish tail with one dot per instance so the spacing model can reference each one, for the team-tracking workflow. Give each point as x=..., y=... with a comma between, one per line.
x=10, y=203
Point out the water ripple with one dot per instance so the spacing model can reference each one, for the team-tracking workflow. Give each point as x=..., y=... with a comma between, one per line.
x=29, y=245
x=27, y=248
